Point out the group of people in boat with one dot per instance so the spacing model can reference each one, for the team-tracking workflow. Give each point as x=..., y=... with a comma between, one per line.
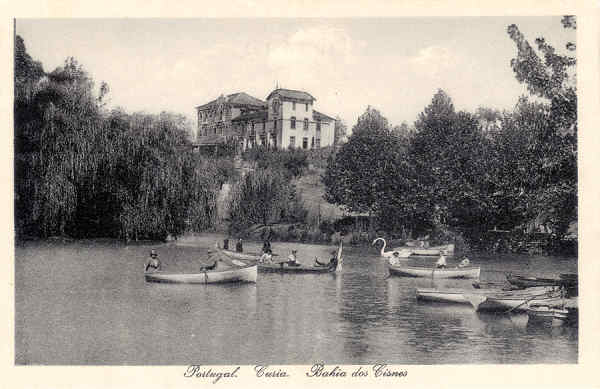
x=292, y=259
x=441, y=262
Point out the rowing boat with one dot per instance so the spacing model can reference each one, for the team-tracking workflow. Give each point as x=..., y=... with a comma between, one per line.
x=247, y=273
x=450, y=296
x=547, y=315
x=520, y=300
x=447, y=249
x=528, y=282
x=238, y=255
x=285, y=267
x=422, y=271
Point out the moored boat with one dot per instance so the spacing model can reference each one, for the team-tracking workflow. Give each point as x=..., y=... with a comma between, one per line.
x=246, y=273
x=447, y=249
x=450, y=296
x=547, y=315
x=529, y=282
x=520, y=300
x=432, y=272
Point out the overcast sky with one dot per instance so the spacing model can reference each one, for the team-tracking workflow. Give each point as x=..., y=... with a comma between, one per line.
x=395, y=65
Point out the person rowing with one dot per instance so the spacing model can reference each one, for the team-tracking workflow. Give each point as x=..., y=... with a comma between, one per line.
x=204, y=267
x=154, y=262
x=465, y=262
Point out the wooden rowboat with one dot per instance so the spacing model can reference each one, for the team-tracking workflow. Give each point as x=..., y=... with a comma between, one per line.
x=240, y=256
x=429, y=272
x=247, y=273
x=285, y=267
x=519, y=301
x=450, y=296
x=547, y=315
x=447, y=249
x=529, y=282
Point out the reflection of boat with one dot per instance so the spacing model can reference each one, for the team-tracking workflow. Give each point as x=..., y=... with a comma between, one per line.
x=247, y=273
x=520, y=300
x=432, y=272
x=547, y=315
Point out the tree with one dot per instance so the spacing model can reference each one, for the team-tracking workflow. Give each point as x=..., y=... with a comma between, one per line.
x=264, y=196
x=449, y=157
x=359, y=172
x=552, y=77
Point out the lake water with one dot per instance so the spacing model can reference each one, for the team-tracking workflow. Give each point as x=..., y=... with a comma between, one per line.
x=87, y=303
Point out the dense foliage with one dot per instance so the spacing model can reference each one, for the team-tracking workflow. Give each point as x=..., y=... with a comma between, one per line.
x=292, y=162
x=85, y=172
x=264, y=196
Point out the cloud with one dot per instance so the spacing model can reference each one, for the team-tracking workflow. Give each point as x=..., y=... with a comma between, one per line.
x=313, y=54
x=432, y=61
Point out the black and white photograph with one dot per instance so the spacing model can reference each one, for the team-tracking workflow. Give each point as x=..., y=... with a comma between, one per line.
x=318, y=191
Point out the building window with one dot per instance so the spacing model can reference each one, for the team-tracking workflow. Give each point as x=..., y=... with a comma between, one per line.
x=294, y=105
x=318, y=143
x=318, y=125
x=305, y=124
x=293, y=125
x=292, y=141
x=305, y=143
x=306, y=107
x=312, y=143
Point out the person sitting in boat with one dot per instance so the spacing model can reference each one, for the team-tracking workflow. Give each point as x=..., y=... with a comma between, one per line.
x=226, y=244
x=441, y=262
x=154, y=262
x=292, y=261
x=204, y=267
x=465, y=262
x=239, y=247
x=267, y=257
x=266, y=246
x=332, y=262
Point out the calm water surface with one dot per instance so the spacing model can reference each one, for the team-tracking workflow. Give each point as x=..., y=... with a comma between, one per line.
x=87, y=303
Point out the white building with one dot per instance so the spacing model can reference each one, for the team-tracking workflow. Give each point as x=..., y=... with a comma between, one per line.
x=286, y=119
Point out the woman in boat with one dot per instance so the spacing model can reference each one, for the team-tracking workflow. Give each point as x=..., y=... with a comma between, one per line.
x=154, y=262
x=465, y=262
x=441, y=262
x=239, y=247
x=292, y=260
x=267, y=257
x=226, y=244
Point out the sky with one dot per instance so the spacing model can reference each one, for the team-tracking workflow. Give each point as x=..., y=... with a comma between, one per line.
x=392, y=64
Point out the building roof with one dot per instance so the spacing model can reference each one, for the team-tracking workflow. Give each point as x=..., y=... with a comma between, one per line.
x=321, y=116
x=237, y=99
x=292, y=94
x=260, y=115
